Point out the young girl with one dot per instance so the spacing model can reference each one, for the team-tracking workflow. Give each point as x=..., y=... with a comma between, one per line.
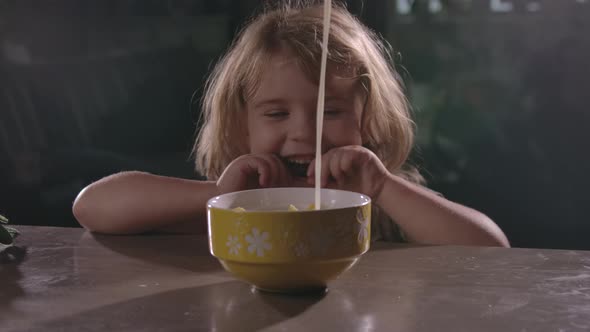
x=259, y=113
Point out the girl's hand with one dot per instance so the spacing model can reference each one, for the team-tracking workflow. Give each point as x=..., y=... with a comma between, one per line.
x=352, y=168
x=253, y=171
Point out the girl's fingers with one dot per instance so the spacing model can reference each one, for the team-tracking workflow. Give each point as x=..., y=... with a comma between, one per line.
x=347, y=163
x=254, y=171
x=257, y=166
x=311, y=169
x=337, y=164
x=266, y=178
x=280, y=174
x=285, y=176
x=277, y=174
x=331, y=168
x=327, y=161
x=311, y=173
x=272, y=177
x=336, y=171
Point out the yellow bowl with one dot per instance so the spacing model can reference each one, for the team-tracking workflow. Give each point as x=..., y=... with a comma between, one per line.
x=257, y=238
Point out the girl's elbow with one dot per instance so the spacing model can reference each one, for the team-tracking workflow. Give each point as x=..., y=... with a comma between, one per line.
x=497, y=238
x=79, y=210
x=82, y=209
x=503, y=241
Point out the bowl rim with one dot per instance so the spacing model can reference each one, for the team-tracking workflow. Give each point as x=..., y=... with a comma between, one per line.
x=366, y=198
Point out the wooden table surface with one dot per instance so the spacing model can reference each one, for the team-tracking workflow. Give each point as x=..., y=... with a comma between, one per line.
x=64, y=279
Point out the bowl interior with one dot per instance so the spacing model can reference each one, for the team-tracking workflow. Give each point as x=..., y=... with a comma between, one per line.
x=279, y=199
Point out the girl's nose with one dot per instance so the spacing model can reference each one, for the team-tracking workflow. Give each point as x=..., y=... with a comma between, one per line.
x=303, y=128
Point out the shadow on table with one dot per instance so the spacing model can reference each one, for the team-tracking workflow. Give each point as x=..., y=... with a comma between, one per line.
x=10, y=275
x=228, y=306
x=189, y=252
x=385, y=245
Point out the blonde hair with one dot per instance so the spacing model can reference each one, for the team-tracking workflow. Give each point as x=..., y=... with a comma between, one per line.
x=387, y=128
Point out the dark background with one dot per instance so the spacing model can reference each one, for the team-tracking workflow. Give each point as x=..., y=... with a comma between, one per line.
x=499, y=88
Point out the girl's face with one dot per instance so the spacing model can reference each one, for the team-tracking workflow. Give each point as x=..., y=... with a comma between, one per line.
x=282, y=113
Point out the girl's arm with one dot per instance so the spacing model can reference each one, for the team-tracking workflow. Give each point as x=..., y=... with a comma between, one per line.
x=426, y=217
x=136, y=202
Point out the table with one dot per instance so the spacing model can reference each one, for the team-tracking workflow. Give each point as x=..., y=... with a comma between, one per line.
x=66, y=279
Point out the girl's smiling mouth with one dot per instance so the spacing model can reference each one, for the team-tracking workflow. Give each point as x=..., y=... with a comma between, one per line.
x=297, y=166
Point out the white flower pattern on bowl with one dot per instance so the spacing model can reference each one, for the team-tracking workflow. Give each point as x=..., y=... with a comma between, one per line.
x=363, y=226
x=258, y=242
x=233, y=244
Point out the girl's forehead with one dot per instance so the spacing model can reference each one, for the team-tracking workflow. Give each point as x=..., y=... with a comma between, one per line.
x=282, y=57
x=285, y=77
x=285, y=59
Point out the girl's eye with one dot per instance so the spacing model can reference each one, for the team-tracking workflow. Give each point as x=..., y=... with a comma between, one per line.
x=276, y=114
x=332, y=113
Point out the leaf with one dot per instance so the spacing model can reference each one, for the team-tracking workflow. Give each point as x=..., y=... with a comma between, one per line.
x=13, y=231
x=5, y=236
